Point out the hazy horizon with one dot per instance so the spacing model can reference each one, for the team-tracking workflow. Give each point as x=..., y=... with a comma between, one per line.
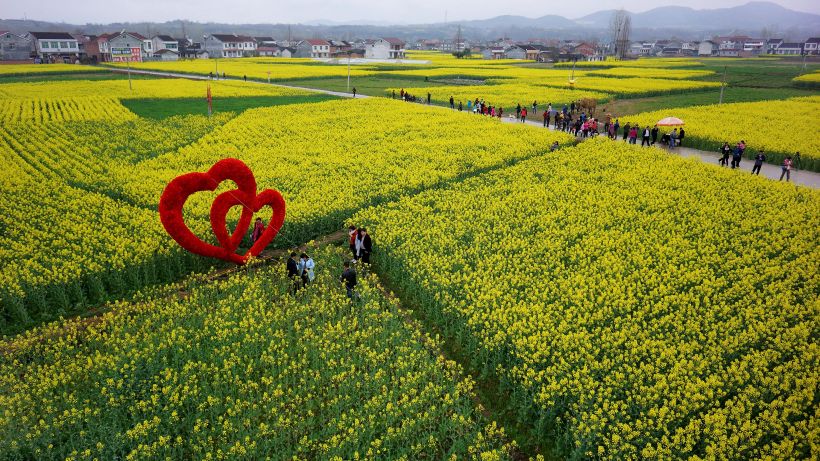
x=308, y=11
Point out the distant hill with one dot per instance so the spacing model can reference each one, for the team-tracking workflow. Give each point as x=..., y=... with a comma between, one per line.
x=663, y=22
x=751, y=16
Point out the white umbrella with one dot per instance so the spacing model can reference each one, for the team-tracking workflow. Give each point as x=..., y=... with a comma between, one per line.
x=670, y=121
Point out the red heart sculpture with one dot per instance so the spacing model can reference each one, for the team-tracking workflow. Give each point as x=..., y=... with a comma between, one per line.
x=227, y=200
x=176, y=193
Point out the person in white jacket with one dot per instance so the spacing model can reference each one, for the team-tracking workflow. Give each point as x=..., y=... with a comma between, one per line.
x=305, y=268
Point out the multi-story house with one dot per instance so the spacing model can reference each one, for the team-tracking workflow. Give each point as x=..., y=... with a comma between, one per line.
x=812, y=46
x=385, y=48
x=128, y=46
x=52, y=45
x=14, y=47
x=229, y=46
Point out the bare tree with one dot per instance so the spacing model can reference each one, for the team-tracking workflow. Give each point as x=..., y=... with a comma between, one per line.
x=620, y=28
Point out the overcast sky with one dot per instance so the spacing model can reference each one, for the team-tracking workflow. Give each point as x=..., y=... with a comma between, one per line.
x=293, y=11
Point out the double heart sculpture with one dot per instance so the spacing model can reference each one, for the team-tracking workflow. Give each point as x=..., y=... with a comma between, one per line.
x=176, y=193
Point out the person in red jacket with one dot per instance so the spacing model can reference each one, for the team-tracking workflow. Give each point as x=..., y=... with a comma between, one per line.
x=258, y=229
x=523, y=114
x=352, y=233
x=546, y=119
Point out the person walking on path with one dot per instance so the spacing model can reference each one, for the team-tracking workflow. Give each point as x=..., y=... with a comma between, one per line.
x=626, y=131
x=654, y=134
x=394, y=94
x=354, y=91
x=759, y=159
x=364, y=246
x=245, y=77
x=293, y=272
x=535, y=107
x=429, y=98
x=645, y=137
x=305, y=268
x=725, y=151
x=349, y=279
x=673, y=138
x=452, y=103
x=787, y=169
x=633, y=135
x=737, y=154
x=523, y=115
x=681, y=134
x=546, y=119
x=469, y=105
x=518, y=111
x=460, y=106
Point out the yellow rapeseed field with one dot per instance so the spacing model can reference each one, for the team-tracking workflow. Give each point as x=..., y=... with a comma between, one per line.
x=241, y=369
x=326, y=159
x=634, y=304
x=779, y=127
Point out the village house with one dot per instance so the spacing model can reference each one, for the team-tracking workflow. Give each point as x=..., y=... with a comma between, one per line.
x=165, y=42
x=54, y=45
x=494, y=52
x=14, y=47
x=128, y=46
x=229, y=46
x=264, y=41
x=773, y=44
x=319, y=48
x=789, y=49
x=385, y=48
x=812, y=46
x=707, y=48
x=97, y=49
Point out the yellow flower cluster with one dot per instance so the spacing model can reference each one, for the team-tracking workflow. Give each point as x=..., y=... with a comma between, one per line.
x=241, y=369
x=811, y=79
x=660, y=63
x=326, y=159
x=779, y=128
x=142, y=88
x=651, y=72
x=447, y=59
x=258, y=69
x=9, y=70
x=57, y=109
x=632, y=309
x=503, y=95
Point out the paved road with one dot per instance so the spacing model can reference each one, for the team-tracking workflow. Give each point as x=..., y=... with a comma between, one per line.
x=804, y=178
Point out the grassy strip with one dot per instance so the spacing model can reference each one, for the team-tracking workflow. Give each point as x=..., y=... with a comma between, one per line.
x=164, y=108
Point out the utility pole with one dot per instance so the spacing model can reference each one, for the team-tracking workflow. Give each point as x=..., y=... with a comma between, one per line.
x=348, y=71
x=722, y=85
x=457, y=44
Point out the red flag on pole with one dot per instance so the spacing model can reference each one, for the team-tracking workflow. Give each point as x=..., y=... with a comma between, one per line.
x=210, y=99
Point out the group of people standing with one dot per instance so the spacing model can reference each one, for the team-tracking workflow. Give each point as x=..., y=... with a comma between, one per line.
x=301, y=271
x=739, y=149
